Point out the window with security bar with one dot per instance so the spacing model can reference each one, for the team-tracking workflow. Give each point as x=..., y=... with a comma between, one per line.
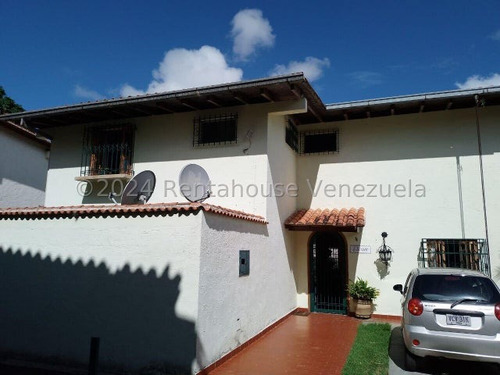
x=319, y=141
x=107, y=150
x=292, y=136
x=215, y=130
x=470, y=254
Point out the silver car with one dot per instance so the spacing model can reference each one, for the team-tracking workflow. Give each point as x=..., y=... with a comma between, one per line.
x=450, y=313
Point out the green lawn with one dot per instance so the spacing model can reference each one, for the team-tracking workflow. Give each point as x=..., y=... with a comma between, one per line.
x=370, y=353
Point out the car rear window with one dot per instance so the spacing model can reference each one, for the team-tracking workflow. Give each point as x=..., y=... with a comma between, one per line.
x=455, y=287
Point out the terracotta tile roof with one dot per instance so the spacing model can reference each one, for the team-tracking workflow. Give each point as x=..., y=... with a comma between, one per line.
x=155, y=209
x=343, y=219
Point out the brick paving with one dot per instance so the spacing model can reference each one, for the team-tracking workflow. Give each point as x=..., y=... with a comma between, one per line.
x=314, y=344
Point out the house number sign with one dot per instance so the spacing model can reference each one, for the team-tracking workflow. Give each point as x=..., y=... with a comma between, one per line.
x=360, y=249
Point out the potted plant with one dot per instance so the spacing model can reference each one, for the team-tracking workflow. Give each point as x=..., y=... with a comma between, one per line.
x=361, y=298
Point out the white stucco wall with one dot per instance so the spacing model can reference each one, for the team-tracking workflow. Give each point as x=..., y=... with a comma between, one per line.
x=133, y=282
x=281, y=204
x=164, y=144
x=23, y=170
x=490, y=136
x=233, y=309
x=411, y=150
x=195, y=258
x=229, y=311
x=433, y=154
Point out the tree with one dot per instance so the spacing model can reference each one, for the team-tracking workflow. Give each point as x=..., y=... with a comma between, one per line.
x=8, y=105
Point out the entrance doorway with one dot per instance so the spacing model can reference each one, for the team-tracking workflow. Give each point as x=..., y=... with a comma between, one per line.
x=328, y=273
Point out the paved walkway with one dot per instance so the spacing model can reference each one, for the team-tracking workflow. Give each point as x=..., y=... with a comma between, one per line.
x=314, y=344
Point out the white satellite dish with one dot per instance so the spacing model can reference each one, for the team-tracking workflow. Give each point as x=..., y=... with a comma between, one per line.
x=139, y=189
x=194, y=183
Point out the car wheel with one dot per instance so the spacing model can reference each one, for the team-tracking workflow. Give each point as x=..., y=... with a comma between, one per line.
x=410, y=361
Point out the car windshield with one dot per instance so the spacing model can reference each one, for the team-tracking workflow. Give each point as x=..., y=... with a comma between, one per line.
x=475, y=289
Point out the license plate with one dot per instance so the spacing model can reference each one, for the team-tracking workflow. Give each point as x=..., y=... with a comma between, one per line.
x=457, y=320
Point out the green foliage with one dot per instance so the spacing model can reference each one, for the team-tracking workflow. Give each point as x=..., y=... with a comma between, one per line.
x=8, y=105
x=370, y=353
x=360, y=289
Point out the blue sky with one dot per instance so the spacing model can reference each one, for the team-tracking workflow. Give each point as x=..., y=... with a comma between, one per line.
x=62, y=52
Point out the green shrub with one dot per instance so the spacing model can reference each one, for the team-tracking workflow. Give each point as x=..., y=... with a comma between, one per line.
x=360, y=289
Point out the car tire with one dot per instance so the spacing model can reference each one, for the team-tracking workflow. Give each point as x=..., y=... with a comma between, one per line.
x=411, y=361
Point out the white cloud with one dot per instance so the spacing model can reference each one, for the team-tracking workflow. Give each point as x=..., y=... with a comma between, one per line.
x=366, y=78
x=477, y=81
x=127, y=90
x=495, y=35
x=250, y=31
x=312, y=67
x=182, y=68
x=85, y=93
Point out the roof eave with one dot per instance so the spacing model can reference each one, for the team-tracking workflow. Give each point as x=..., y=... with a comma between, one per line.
x=417, y=98
x=146, y=98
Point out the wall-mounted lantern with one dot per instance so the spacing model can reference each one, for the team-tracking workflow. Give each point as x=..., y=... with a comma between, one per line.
x=384, y=251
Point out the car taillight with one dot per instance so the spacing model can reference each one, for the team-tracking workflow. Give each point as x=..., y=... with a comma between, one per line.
x=416, y=308
x=497, y=311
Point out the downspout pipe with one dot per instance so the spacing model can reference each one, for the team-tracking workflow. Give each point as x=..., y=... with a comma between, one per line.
x=481, y=170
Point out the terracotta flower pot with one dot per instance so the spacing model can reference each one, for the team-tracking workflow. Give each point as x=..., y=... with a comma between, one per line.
x=364, y=308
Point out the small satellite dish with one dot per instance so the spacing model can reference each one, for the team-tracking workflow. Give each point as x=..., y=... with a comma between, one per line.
x=139, y=189
x=194, y=183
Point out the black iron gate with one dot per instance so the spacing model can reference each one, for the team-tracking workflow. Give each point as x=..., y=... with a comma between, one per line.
x=327, y=259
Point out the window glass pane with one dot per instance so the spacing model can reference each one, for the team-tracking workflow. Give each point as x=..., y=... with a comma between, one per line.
x=455, y=253
x=454, y=287
x=292, y=136
x=319, y=142
x=215, y=130
x=107, y=150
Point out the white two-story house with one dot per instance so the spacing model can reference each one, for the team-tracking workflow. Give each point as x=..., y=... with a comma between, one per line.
x=301, y=192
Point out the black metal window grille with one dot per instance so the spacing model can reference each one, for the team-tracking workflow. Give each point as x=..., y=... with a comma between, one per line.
x=319, y=142
x=292, y=136
x=107, y=150
x=455, y=253
x=215, y=130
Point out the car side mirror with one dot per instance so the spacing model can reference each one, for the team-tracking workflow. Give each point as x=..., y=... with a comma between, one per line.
x=398, y=288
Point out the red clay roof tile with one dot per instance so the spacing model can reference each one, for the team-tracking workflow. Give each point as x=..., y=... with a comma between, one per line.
x=344, y=219
x=154, y=209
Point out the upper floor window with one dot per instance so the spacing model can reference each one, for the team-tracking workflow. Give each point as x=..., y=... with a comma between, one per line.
x=324, y=141
x=319, y=141
x=455, y=253
x=292, y=136
x=107, y=150
x=215, y=130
